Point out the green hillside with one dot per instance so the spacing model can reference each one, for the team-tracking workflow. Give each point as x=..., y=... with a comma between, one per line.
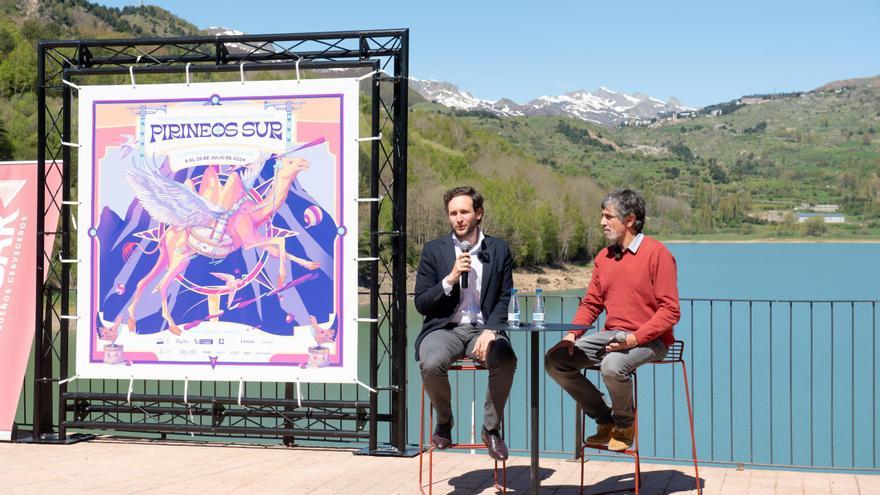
x=708, y=177
x=22, y=24
x=817, y=148
x=547, y=215
x=721, y=174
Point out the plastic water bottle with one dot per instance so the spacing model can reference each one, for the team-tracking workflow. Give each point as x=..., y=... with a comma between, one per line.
x=538, y=313
x=513, y=309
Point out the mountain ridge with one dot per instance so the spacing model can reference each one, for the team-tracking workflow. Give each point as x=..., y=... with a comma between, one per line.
x=601, y=106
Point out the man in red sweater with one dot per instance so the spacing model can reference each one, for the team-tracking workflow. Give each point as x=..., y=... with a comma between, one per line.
x=634, y=282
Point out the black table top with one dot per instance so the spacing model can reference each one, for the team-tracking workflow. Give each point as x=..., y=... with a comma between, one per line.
x=528, y=328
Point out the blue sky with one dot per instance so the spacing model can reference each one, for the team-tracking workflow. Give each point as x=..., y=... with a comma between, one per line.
x=701, y=52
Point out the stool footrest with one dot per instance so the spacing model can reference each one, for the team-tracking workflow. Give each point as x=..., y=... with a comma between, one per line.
x=606, y=449
x=462, y=446
x=499, y=473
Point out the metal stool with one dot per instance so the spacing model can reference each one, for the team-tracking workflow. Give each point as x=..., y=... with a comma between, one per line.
x=673, y=355
x=464, y=364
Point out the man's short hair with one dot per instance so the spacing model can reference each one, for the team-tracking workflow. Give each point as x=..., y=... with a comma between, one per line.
x=627, y=202
x=476, y=197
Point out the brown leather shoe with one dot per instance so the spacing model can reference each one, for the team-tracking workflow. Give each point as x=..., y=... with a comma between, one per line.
x=495, y=445
x=442, y=437
x=621, y=438
x=602, y=436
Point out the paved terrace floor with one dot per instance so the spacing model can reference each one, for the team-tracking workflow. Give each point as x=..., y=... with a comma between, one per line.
x=113, y=465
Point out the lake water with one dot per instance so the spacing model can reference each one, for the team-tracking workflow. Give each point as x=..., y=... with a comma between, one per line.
x=778, y=271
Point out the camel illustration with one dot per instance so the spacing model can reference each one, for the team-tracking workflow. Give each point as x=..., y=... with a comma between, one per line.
x=214, y=220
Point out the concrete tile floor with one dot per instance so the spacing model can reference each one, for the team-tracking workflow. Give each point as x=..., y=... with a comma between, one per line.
x=115, y=465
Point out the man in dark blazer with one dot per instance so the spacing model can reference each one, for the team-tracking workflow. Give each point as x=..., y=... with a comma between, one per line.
x=454, y=309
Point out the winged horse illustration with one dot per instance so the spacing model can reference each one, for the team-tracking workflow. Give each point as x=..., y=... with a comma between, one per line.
x=213, y=220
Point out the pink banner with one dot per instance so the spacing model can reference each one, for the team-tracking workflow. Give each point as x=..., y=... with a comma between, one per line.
x=18, y=234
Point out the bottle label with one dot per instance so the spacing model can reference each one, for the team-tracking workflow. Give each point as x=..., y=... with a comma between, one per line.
x=513, y=319
x=538, y=316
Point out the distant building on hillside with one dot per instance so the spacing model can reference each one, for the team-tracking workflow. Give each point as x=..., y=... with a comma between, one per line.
x=638, y=122
x=770, y=216
x=828, y=217
x=826, y=208
x=751, y=100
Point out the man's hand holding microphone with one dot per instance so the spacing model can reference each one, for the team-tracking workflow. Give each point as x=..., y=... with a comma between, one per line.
x=460, y=271
x=461, y=267
x=620, y=341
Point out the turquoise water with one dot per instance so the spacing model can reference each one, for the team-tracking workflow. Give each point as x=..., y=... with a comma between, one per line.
x=778, y=271
x=775, y=379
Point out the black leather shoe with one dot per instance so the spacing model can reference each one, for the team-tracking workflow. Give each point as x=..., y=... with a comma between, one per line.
x=495, y=445
x=442, y=437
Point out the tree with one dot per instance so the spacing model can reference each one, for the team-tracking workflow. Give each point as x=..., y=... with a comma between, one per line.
x=579, y=242
x=7, y=41
x=734, y=207
x=682, y=151
x=6, y=149
x=717, y=173
x=17, y=71
x=549, y=235
x=847, y=181
x=815, y=226
x=786, y=226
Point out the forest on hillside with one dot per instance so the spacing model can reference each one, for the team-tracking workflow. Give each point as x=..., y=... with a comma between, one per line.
x=743, y=174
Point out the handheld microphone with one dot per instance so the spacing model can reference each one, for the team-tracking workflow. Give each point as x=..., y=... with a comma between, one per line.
x=465, y=247
x=619, y=337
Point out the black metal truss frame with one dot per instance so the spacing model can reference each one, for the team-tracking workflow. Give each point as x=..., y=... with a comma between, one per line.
x=228, y=416
x=63, y=62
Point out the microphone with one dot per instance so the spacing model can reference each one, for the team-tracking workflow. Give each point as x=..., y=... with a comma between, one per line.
x=619, y=337
x=465, y=247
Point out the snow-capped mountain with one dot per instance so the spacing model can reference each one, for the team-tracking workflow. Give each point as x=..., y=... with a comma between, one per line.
x=602, y=106
x=449, y=95
x=239, y=48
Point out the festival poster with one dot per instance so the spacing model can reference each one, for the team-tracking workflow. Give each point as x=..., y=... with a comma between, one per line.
x=218, y=231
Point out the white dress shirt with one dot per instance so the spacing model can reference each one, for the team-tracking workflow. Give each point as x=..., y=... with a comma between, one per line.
x=635, y=243
x=468, y=310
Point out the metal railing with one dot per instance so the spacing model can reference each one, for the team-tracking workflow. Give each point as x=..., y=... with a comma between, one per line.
x=786, y=383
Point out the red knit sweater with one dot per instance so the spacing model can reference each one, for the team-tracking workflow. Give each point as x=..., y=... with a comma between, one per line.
x=639, y=293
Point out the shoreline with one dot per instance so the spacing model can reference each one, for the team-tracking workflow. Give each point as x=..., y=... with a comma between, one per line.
x=566, y=276
x=769, y=240
x=576, y=276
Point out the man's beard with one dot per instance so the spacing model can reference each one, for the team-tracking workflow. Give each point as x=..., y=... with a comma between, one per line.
x=470, y=230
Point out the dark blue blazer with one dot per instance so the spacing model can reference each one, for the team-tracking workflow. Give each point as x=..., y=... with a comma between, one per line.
x=436, y=262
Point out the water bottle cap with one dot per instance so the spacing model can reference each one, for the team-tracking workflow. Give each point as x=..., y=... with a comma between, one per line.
x=513, y=291
x=539, y=290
